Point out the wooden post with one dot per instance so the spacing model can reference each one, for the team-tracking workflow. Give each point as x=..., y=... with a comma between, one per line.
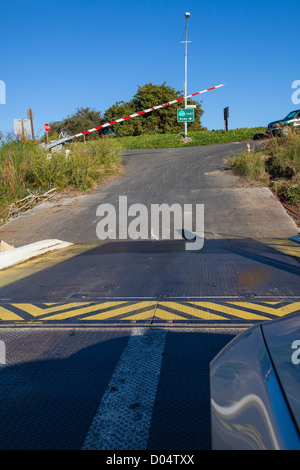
x=226, y=116
x=225, y=125
x=23, y=132
x=30, y=116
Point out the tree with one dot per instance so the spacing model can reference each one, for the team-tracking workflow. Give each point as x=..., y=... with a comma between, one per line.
x=119, y=110
x=161, y=121
x=82, y=120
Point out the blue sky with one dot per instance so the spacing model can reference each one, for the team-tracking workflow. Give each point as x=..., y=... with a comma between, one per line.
x=57, y=56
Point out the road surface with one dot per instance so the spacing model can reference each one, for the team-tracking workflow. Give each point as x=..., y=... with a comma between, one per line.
x=107, y=344
x=195, y=175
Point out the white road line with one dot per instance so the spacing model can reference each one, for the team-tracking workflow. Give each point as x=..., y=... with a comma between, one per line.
x=123, y=419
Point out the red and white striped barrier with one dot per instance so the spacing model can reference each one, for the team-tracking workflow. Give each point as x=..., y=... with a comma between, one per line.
x=139, y=113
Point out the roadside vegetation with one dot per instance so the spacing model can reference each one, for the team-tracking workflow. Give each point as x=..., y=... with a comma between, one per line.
x=28, y=171
x=276, y=165
x=203, y=137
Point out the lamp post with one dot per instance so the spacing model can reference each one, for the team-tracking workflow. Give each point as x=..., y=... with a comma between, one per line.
x=187, y=15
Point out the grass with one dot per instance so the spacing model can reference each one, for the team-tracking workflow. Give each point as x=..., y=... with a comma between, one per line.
x=276, y=165
x=27, y=167
x=198, y=138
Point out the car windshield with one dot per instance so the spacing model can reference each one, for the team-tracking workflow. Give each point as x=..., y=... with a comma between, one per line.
x=290, y=115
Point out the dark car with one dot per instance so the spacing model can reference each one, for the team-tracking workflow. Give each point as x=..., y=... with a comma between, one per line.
x=280, y=127
x=255, y=388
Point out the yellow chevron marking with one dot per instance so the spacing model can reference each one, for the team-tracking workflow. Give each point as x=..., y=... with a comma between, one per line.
x=279, y=312
x=6, y=315
x=107, y=310
x=122, y=310
x=286, y=246
x=231, y=311
x=164, y=315
x=184, y=308
x=82, y=311
x=37, y=311
x=140, y=316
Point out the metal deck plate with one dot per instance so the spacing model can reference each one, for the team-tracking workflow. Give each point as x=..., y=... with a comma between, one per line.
x=150, y=282
x=92, y=358
x=107, y=389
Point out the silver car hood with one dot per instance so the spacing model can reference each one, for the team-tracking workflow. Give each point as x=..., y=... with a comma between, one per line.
x=282, y=338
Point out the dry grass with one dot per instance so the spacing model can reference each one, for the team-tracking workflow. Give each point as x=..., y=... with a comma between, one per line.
x=277, y=165
x=27, y=167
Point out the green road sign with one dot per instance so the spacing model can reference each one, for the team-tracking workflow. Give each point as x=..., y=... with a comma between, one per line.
x=185, y=115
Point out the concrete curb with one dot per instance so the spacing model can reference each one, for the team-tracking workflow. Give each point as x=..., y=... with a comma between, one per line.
x=19, y=255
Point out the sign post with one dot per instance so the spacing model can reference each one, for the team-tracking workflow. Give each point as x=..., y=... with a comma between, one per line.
x=47, y=129
x=30, y=117
x=22, y=128
x=226, y=116
x=187, y=15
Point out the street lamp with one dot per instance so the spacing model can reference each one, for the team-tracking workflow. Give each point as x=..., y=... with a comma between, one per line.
x=187, y=15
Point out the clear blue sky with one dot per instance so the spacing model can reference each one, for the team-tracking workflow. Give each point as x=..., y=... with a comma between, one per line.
x=59, y=55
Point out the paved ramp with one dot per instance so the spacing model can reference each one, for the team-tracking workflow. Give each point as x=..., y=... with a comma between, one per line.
x=191, y=175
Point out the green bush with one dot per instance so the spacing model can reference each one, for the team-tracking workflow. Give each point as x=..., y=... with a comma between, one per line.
x=289, y=193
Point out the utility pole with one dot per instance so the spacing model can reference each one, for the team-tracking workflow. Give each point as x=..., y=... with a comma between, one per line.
x=187, y=15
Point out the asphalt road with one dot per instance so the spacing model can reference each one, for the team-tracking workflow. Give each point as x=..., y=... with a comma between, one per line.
x=194, y=175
